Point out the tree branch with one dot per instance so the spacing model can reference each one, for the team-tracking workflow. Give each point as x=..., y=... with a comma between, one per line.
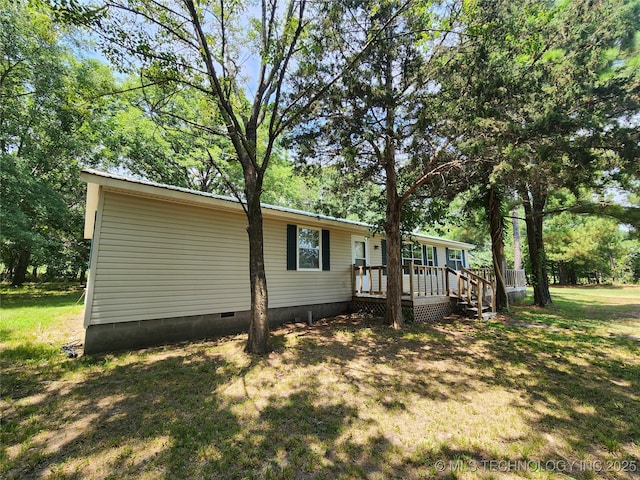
x=435, y=171
x=286, y=122
x=228, y=183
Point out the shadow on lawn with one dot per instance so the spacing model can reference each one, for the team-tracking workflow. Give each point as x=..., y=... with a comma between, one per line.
x=568, y=380
x=580, y=391
x=166, y=418
x=189, y=414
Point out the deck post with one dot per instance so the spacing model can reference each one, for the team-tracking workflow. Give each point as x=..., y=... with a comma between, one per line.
x=353, y=279
x=493, y=297
x=380, y=280
x=480, y=298
x=433, y=275
x=446, y=282
x=411, y=281
x=370, y=281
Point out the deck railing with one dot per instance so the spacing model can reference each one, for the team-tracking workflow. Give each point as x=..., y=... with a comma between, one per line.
x=365, y=279
x=512, y=278
x=486, y=273
x=515, y=278
x=423, y=280
x=427, y=280
x=476, y=290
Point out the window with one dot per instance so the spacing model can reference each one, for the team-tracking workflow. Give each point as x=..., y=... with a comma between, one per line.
x=412, y=253
x=456, y=259
x=360, y=253
x=308, y=249
x=429, y=258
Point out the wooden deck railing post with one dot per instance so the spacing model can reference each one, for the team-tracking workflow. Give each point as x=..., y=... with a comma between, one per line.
x=353, y=279
x=480, y=298
x=360, y=277
x=411, y=281
x=446, y=282
x=493, y=297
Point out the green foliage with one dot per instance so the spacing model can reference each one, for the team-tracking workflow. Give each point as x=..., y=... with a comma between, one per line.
x=384, y=112
x=31, y=214
x=584, y=247
x=550, y=102
x=50, y=107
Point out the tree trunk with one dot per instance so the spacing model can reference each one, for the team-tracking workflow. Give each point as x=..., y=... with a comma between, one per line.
x=394, y=205
x=393, y=314
x=563, y=279
x=612, y=266
x=259, y=340
x=534, y=202
x=517, y=251
x=496, y=223
x=20, y=270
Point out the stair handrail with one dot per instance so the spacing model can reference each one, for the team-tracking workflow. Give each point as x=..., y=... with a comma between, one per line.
x=479, y=280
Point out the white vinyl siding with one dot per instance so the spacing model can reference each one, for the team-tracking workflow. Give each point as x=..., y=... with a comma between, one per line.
x=375, y=258
x=375, y=254
x=160, y=259
x=306, y=287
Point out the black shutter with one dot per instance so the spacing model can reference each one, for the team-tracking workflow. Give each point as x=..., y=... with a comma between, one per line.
x=446, y=257
x=464, y=263
x=292, y=246
x=435, y=256
x=383, y=247
x=326, y=260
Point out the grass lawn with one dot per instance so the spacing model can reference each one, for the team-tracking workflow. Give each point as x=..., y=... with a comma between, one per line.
x=537, y=394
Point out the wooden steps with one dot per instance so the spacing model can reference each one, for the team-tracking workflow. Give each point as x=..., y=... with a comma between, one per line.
x=467, y=300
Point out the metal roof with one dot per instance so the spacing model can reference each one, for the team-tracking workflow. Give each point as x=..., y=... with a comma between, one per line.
x=266, y=206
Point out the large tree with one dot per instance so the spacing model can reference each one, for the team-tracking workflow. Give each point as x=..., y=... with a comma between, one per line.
x=239, y=56
x=204, y=46
x=46, y=132
x=556, y=85
x=384, y=121
x=158, y=134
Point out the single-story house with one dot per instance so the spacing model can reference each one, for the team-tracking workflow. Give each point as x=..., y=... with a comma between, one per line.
x=169, y=264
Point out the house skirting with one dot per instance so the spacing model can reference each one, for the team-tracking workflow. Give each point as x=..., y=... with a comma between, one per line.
x=147, y=333
x=516, y=293
x=419, y=310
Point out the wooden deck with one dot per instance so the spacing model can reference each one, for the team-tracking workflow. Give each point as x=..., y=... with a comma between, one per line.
x=426, y=287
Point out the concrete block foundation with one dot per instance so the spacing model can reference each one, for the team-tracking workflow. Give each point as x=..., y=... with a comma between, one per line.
x=148, y=333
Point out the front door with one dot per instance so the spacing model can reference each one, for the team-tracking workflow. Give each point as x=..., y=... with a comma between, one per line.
x=360, y=258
